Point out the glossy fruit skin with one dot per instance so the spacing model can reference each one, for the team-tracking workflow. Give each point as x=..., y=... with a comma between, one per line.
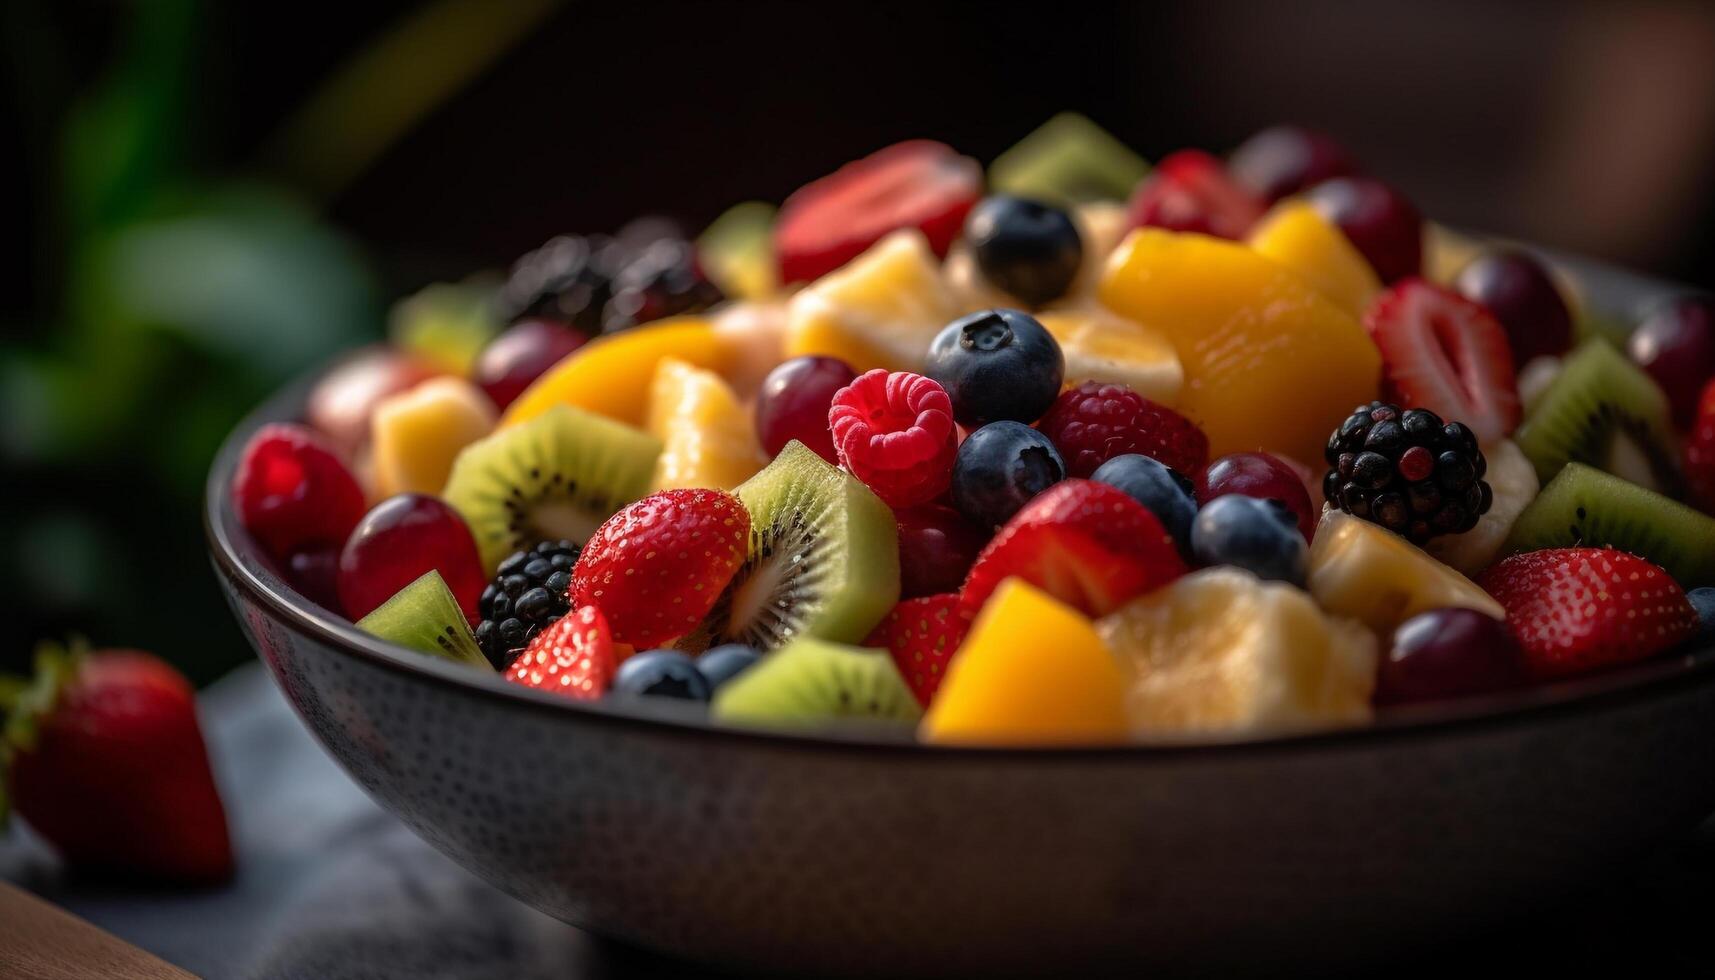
x=1259, y=536
x=1280, y=161
x=921, y=635
x=1407, y=471
x=340, y=404
x=573, y=658
x=1700, y=452
x=999, y=468
x=997, y=365
x=1676, y=345
x=293, y=493
x=1379, y=220
x=1515, y=288
x=894, y=431
x=1191, y=191
x=936, y=548
x=661, y=674
x=1445, y=353
x=1093, y=422
x=721, y=664
x=520, y=355
x=1448, y=653
x=1258, y=475
x=1029, y=249
x=1167, y=493
x=794, y=402
x=314, y=572
x=399, y=540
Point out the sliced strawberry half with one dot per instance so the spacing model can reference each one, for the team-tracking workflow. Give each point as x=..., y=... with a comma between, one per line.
x=918, y=184
x=1442, y=352
x=922, y=635
x=1700, y=451
x=1191, y=191
x=1088, y=544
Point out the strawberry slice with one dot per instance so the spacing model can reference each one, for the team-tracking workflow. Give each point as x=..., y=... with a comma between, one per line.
x=575, y=657
x=922, y=635
x=918, y=184
x=1442, y=352
x=1191, y=191
x=1700, y=452
x=1575, y=610
x=1088, y=544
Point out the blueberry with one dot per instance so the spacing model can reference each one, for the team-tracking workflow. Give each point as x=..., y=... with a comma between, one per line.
x=999, y=468
x=721, y=664
x=661, y=674
x=1260, y=536
x=1167, y=494
x=997, y=365
x=1703, y=600
x=1029, y=249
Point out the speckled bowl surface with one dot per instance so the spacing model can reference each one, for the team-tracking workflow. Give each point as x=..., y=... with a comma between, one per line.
x=849, y=854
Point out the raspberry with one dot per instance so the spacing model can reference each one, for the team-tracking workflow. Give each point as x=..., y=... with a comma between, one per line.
x=293, y=493
x=657, y=567
x=1095, y=422
x=894, y=431
x=573, y=657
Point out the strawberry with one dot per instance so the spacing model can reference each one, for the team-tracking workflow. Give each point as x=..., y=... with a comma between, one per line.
x=1088, y=544
x=1575, y=610
x=923, y=634
x=1442, y=352
x=575, y=657
x=657, y=567
x=108, y=764
x=1700, y=452
x=916, y=184
x=1191, y=191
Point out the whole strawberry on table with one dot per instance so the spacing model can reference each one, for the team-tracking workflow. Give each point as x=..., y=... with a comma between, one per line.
x=1063, y=449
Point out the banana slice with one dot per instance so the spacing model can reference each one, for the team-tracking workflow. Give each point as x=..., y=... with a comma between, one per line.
x=1373, y=575
x=1513, y=480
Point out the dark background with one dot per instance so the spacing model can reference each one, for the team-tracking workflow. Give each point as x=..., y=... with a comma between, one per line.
x=217, y=196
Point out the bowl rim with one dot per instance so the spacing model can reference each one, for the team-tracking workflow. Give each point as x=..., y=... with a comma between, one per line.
x=243, y=566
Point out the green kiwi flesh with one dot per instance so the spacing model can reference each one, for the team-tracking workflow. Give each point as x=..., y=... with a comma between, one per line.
x=555, y=477
x=424, y=616
x=1585, y=507
x=811, y=681
x=1603, y=411
x=823, y=558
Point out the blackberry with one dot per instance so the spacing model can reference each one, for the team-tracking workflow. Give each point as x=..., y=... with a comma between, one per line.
x=661, y=280
x=528, y=593
x=1407, y=471
x=596, y=283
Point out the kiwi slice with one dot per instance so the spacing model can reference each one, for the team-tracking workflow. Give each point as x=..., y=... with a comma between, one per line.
x=810, y=681
x=1603, y=411
x=555, y=477
x=823, y=560
x=425, y=617
x=1068, y=160
x=1585, y=507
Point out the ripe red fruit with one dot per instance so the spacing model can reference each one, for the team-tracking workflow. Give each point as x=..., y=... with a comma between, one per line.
x=341, y=403
x=894, y=431
x=1574, y=610
x=293, y=493
x=656, y=568
x=520, y=355
x=1094, y=422
x=1191, y=191
x=1675, y=343
x=1283, y=160
x=922, y=634
x=793, y=404
x=937, y=545
x=1088, y=544
x=398, y=541
x=1700, y=452
x=916, y=184
x=1442, y=352
x=574, y=657
x=1262, y=476
x=109, y=765
x=1378, y=220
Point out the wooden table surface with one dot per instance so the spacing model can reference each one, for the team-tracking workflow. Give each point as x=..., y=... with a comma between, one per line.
x=41, y=942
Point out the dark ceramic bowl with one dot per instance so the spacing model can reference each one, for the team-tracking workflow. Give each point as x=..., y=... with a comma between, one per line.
x=844, y=854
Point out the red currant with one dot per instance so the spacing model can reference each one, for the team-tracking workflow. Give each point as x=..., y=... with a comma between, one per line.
x=399, y=541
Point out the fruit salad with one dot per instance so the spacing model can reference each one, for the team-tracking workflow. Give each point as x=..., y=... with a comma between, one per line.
x=1065, y=450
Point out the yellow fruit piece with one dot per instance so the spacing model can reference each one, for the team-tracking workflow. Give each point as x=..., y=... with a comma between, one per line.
x=708, y=438
x=1367, y=572
x=416, y=434
x=1100, y=345
x=880, y=310
x=754, y=333
x=611, y=375
x=1222, y=651
x=1101, y=224
x=1297, y=236
x=1031, y=671
x=1269, y=362
x=1446, y=251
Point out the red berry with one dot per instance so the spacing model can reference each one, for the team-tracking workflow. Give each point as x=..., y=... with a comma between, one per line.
x=1700, y=452
x=1574, y=610
x=1094, y=422
x=1442, y=352
x=1378, y=221
x=656, y=568
x=937, y=545
x=1190, y=191
x=916, y=184
x=922, y=634
x=1088, y=544
x=399, y=541
x=293, y=493
x=894, y=431
x=574, y=657
x=1259, y=475
x=793, y=404
x=1676, y=345
x=520, y=355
